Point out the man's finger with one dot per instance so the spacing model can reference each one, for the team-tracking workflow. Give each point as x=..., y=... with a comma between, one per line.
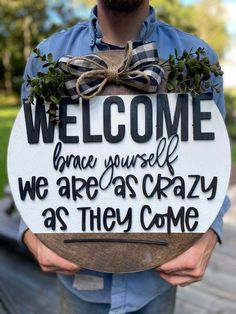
x=54, y=269
x=176, y=265
x=48, y=258
x=178, y=280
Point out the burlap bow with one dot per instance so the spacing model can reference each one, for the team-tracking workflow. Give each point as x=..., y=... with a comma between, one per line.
x=89, y=74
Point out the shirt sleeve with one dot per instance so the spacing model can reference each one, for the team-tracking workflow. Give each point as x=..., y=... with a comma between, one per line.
x=22, y=229
x=217, y=225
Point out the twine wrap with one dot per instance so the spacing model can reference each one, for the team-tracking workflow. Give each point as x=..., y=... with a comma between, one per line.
x=88, y=75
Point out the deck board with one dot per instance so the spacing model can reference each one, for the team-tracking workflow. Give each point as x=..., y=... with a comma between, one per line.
x=216, y=293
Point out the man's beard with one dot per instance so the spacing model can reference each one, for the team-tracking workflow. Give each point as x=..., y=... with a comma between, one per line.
x=122, y=5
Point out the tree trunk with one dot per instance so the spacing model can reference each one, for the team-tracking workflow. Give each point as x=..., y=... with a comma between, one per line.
x=6, y=60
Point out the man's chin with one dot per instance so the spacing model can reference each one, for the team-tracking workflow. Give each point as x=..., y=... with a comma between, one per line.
x=124, y=6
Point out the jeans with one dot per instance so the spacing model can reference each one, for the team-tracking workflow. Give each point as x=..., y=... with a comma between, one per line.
x=71, y=304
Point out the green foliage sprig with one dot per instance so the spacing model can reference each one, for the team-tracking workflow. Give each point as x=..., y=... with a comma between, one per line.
x=49, y=85
x=191, y=72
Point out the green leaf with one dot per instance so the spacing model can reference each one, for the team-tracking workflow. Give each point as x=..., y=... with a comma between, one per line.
x=169, y=86
x=197, y=79
x=46, y=65
x=54, y=99
x=206, y=70
x=172, y=75
x=43, y=58
x=181, y=66
x=176, y=53
x=50, y=57
x=185, y=54
x=52, y=70
x=47, y=80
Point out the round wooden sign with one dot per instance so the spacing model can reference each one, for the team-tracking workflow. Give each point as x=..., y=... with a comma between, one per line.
x=127, y=181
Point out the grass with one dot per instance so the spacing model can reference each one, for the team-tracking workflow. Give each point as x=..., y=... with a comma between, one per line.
x=233, y=153
x=9, y=107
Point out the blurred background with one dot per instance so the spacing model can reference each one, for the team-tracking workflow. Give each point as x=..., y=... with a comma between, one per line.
x=25, y=23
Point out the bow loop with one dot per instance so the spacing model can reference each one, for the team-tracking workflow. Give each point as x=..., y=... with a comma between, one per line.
x=90, y=74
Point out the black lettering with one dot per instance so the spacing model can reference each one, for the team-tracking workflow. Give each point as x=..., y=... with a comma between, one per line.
x=33, y=188
x=191, y=212
x=83, y=219
x=76, y=192
x=128, y=218
x=65, y=120
x=96, y=217
x=198, y=116
x=50, y=222
x=91, y=183
x=145, y=209
x=109, y=213
x=136, y=101
x=40, y=122
x=179, y=190
x=87, y=136
x=212, y=187
x=41, y=182
x=127, y=180
x=107, y=119
x=181, y=110
x=170, y=151
x=28, y=188
x=63, y=226
x=64, y=190
x=174, y=220
x=120, y=189
x=195, y=183
x=81, y=162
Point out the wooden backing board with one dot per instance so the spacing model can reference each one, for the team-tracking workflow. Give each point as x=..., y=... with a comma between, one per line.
x=119, y=257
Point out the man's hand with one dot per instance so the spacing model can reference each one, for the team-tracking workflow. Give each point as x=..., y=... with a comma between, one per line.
x=190, y=266
x=47, y=259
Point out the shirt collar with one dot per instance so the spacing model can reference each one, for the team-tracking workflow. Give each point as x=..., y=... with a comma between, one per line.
x=146, y=31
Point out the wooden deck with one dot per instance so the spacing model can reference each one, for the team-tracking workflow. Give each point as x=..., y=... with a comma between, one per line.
x=24, y=289
x=216, y=294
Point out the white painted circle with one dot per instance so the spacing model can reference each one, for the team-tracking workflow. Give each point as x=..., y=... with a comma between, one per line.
x=208, y=159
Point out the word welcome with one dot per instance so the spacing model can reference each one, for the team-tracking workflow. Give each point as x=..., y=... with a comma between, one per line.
x=163, y=119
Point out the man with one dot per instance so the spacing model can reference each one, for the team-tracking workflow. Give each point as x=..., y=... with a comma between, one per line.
x=112, y=23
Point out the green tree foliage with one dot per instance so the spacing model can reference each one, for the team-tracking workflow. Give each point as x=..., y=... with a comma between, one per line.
x=204, y=19
x=174, y=13
x=209, y=22
x=24, y=23
x=21, y=25
x=230, y=98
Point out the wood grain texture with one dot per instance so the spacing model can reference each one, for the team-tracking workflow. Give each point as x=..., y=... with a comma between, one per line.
x=119, y=257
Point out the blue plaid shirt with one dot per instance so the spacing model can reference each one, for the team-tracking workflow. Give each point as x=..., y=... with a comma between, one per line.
x=125, y=292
